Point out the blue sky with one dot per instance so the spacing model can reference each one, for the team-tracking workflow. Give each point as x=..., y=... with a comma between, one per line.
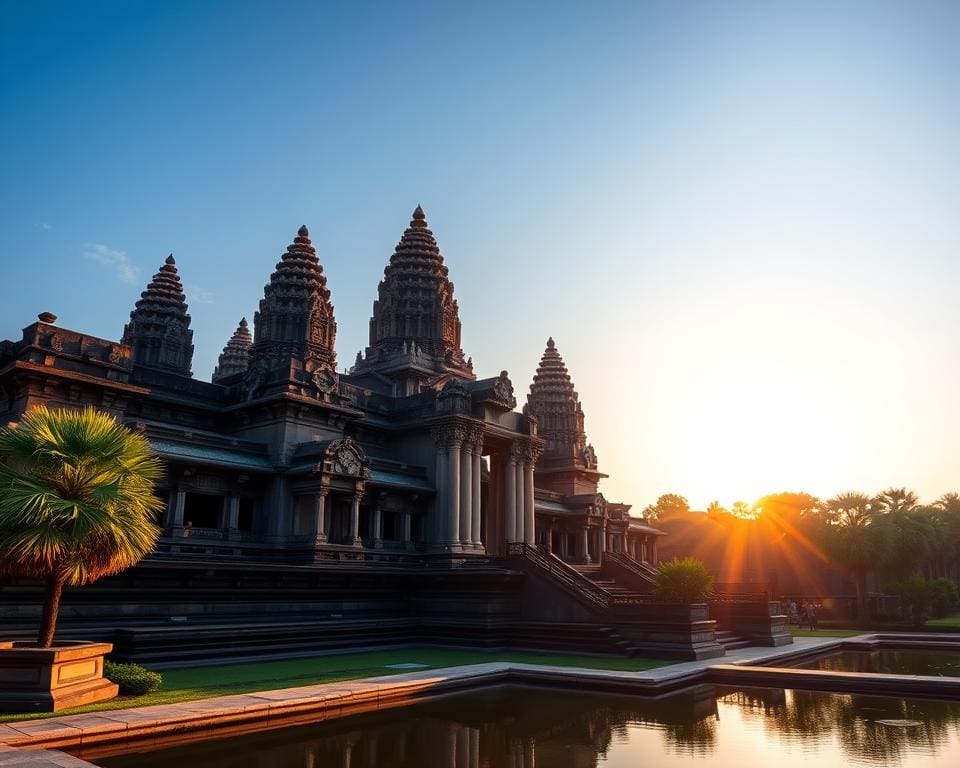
x=740, y=221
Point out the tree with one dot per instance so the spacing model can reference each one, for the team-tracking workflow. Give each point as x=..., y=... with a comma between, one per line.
x=76, y=501
x=895, y=500
x=743, y=510
x=715, y=509
x=684, y=581
x=857, y=539
x=668, y=504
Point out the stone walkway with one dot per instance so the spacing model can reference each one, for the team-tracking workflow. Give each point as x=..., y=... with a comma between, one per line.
x=32, y=742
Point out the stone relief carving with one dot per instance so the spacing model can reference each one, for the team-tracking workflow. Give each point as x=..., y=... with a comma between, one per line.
x=346, y=457
x=503, y=390
x=325, y=381
x=589, y=457
x=453, y=398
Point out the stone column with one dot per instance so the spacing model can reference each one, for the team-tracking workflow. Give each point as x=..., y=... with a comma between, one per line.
x=477, y=472
x=603, y=541
x=377, y=522
x=510, y=498
x=320, y=516
x=407, y=529
x=585, y=545
x=453, y=494
x=355, y=520
x=529, y=509
x=179, y=504
x=653, y=550
x=521, y=495
x=440, y=500
x=549, y=541
x=466, y=494
x=232, y=516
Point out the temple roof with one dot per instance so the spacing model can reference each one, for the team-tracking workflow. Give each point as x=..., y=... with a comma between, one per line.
x=159, y=327
x=164, y=294
x=554, y=402
x=415, y=324
x=235, y=354
x=295, y=320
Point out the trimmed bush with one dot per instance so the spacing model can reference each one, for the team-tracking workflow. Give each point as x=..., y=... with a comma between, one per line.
x=132, y=678
x=683, y=581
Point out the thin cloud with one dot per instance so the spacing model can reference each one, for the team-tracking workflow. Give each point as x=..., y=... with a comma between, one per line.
x=198, y=295
x=45, y=226
x=117, y=260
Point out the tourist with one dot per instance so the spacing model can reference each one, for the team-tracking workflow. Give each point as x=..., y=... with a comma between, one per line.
x=812, y=616
x=792, y=614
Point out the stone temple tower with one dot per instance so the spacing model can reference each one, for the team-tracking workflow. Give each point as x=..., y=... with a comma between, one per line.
x=235, y=355
x=569, y=463
x=159, y=327
x=415, y=327
x=294, y=330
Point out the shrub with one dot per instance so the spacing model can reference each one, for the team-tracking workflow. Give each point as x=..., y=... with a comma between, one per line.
x=915, y=598
x=943, y=596
x=683, y=581
x=132, y=678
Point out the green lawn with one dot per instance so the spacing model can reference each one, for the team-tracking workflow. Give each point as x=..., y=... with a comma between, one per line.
x=948, y=624
x=826, y=632
x=204, y=682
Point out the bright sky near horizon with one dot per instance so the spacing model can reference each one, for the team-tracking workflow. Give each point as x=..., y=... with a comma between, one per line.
x=739, y=221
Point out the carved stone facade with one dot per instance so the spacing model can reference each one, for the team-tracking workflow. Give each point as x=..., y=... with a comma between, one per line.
x=408, y=452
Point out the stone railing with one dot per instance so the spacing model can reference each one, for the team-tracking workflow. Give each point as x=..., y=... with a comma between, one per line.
x=561, y=573
x=628, y=571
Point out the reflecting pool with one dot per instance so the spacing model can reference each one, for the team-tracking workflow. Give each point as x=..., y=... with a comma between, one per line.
x=937, y=663
x=518, y=727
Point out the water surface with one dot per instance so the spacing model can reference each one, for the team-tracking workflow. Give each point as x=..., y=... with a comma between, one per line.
x=518, y=727
x=937, y=663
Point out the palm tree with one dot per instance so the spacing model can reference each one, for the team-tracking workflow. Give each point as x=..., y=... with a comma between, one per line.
x=895, y=500
x=76, y=501
x=857, y=539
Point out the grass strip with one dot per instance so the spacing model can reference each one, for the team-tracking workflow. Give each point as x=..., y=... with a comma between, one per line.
x=206, y=682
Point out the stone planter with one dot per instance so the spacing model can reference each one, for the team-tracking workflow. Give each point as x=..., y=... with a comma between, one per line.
x=50, y=679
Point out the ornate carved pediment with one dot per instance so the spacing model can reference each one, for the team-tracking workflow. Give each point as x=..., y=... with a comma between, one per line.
x=453, y=398
x=325, y=381
x=345, y=457
x=503, y=391
x=589, y=457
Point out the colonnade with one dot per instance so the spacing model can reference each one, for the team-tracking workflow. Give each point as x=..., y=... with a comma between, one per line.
x=459, y=448
x=642, y=548
x=320, y=512
x=518, y=500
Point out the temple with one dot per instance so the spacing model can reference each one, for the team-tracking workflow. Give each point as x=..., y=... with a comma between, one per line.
x=280, y=468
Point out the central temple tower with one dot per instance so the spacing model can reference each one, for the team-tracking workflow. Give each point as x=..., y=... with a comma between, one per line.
x=294, y=329
x=415, y=327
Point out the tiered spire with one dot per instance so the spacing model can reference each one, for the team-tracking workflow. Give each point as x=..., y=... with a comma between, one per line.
x=159, y=327
x=233, y=359
x=295, y=330
x=556, y=406
x=416, y=323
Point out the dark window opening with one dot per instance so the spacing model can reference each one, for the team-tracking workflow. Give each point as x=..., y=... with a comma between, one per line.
x=389, y=523
x=245, y=514
x=202, y=510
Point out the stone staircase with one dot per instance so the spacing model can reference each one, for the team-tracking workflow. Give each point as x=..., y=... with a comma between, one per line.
x=731, y=641
x=605, y=582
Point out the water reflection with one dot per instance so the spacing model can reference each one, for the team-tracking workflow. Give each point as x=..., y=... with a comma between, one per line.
x=937, y=663
x=530, y=728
